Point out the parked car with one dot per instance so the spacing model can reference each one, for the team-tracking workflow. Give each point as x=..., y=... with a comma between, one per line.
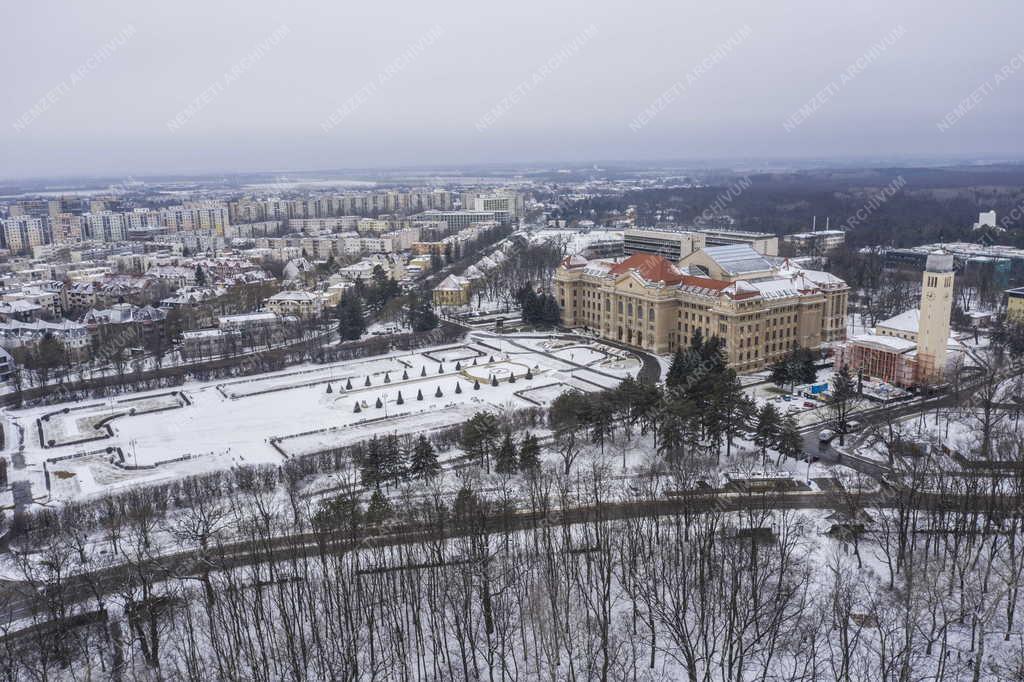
x=852, y=426
x=809, y=404
x=826, y=435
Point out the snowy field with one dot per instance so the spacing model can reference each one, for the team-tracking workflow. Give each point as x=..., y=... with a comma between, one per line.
x=104, y=445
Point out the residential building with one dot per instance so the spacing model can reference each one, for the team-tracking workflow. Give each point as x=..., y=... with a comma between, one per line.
x=452, y=291
x=262, y=228
x=457, y=220
x=68, y=228
x=21, y=233
x=45, y=295
x=74, y=337
x=20, y=310
x=106, y=226
x=200, y=216
x=373, y=226
x=302, y=304
x=124, y=324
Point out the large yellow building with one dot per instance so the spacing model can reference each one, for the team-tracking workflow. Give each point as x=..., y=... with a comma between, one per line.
x=761, y=310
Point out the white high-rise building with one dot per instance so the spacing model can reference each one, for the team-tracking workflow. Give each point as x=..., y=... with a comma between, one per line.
x=936, y=306
x=987, y=219
x=106, y=226
x=21, y=233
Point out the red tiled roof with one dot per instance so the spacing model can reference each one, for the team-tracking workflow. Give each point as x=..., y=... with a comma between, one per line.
x=652, y=268
x=657, y=269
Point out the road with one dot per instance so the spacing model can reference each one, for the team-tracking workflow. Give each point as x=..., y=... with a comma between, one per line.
x=833, y=453
x=19, y=599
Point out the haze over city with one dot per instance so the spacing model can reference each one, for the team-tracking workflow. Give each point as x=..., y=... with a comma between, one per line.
x=462, y=60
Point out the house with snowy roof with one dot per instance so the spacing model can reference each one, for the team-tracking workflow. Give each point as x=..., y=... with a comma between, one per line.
x=452, y=291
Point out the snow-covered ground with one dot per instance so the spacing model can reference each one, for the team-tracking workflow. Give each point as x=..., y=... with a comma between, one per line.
x=267, y=418
x=576, y=240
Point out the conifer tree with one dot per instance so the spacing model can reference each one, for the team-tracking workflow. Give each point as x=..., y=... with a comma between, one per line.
x=529, y=453
x=767, y=428
x=379, y=508
x=791, y=443
x=423, y=464
x=507, y=460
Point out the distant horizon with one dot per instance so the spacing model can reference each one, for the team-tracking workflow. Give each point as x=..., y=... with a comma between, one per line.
x=695, y=164
x=198, y=88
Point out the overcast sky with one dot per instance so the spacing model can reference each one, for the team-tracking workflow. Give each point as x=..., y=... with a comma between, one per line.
x=105, y=87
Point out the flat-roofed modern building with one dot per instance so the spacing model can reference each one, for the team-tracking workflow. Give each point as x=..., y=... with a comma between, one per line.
x=764, y=243
x=815, y=243
x=456, y=220
x=604, y=248
x=1004, y=263
x=670, y=244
